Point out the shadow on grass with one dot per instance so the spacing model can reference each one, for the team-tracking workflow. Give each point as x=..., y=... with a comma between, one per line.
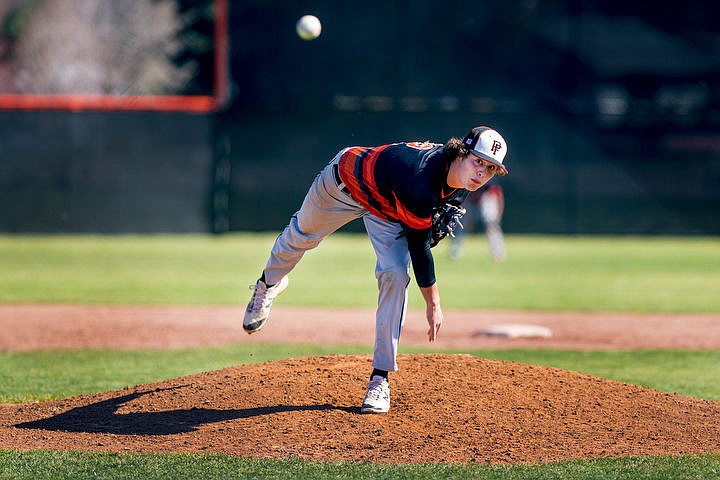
x=101, y=417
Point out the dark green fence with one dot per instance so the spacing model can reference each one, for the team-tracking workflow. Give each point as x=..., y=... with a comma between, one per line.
x=104, y=172
x=160, y=172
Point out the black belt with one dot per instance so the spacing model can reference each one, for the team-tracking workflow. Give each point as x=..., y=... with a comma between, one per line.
x=343, y=188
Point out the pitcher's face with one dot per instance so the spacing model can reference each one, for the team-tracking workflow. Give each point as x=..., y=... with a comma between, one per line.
x=471, y=172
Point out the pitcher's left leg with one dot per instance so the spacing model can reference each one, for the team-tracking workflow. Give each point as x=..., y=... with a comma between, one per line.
x=393, y=277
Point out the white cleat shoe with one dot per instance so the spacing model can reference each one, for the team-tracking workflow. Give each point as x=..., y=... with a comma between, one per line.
x=377, y=397
x=258, y=310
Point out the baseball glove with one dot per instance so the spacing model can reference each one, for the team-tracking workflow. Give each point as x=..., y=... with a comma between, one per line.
x=445, y=221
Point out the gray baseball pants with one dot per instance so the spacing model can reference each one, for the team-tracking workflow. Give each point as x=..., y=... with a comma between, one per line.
x=325, y=209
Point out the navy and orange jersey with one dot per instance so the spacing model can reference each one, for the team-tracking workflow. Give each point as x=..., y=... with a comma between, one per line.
x=399, y=182
x=402, y=182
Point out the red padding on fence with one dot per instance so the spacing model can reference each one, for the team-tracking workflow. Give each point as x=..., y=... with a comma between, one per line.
x=168, y=103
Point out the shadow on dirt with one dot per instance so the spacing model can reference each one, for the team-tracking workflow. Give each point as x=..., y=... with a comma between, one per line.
x=101, y=417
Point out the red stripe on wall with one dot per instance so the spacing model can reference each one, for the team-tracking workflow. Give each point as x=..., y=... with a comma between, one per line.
x=75, y=103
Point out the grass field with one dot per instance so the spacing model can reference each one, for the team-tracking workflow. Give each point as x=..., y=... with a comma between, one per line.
x=634, y=274
x=75, y=465
x=542, y=273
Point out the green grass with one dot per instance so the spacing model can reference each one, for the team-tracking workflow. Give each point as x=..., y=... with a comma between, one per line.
x=80, y=465
x=633, y=274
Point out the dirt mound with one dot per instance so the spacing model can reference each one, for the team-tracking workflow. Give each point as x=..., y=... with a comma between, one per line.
x=446, y=408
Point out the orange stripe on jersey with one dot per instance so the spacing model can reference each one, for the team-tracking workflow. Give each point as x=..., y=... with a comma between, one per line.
x=361, y=162
x=347, y=168
x=407, y=217
x=369, y=180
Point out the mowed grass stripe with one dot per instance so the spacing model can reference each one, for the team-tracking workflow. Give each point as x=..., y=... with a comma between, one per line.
x=630, y=274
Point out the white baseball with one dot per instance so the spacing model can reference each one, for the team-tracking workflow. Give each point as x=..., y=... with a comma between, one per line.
x=308, y=27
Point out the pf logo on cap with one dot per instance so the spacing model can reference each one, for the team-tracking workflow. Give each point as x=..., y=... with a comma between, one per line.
x=488, y=144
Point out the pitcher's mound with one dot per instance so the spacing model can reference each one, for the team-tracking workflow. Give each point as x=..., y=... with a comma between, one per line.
x=445, y=408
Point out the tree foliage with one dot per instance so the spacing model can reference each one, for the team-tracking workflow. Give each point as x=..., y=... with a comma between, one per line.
x=107, y=47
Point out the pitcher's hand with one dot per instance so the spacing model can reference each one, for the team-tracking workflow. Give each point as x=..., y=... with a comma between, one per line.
x=435, y=319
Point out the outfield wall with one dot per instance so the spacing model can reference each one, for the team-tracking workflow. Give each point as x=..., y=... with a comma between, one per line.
x=92, y=172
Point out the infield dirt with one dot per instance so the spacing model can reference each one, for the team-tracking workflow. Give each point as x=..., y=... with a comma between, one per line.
x=445, y=408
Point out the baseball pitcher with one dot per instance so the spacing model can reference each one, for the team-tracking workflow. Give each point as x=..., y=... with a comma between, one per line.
x=408, y=196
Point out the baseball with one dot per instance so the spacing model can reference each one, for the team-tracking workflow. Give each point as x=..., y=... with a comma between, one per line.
x=308, y=27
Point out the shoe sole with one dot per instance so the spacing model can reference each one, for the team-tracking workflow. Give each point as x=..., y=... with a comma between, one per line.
x=250, y=331
x=372, y=410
